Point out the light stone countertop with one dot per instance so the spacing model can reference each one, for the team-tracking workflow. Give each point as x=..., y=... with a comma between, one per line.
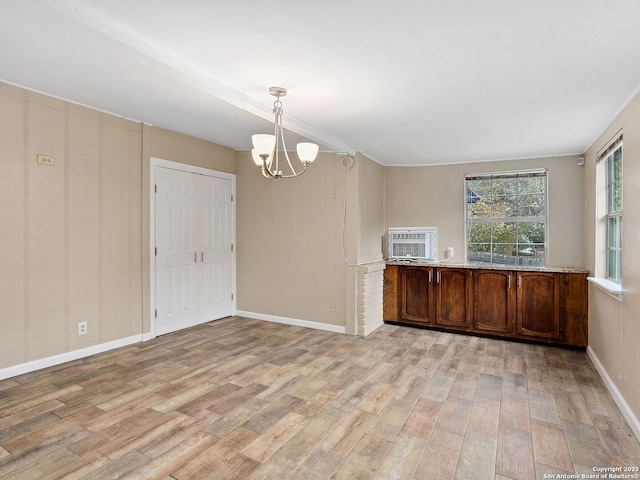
x=478, y=266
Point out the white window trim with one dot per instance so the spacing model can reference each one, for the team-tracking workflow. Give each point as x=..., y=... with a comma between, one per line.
x=602, y=279
x=608, y=286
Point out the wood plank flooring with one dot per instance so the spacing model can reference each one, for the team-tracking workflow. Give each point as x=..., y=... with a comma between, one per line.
x=243, y=399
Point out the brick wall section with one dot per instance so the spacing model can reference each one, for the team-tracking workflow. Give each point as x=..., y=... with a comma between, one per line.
x=369, y=297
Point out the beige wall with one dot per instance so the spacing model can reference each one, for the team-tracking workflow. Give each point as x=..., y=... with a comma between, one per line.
x=435, y=196
x=75, y=236
x=371, y=210
x=71, y=233
x=168, y=145
x=290, y=260
x=614, y=326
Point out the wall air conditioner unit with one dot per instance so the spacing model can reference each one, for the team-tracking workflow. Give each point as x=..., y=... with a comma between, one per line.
x=413, y=242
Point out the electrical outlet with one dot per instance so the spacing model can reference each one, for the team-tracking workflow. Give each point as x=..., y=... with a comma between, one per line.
x=335, y=306
x=335, y=192
x=83, y=328
x=449, y=252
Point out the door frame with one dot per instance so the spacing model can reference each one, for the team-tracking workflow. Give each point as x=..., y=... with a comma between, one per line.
x=183, y=167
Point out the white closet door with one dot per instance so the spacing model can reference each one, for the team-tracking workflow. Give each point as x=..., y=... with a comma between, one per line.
x=216, y=248
x=194, y=261
x=176, y=243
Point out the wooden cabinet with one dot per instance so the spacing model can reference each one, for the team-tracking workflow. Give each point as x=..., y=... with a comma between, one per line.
x=436, y=296
x=574, y=309
x=495, y=301
x=538, y=310
x=453, y=300
x=391, y=291
x=533, y=305
x=417, y=295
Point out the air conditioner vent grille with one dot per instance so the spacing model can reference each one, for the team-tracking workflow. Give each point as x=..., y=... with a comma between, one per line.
x=413, y=243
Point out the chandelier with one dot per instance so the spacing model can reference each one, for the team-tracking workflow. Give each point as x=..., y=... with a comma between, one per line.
x=265, y=146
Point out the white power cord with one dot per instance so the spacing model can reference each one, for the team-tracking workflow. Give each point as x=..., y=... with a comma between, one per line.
x=347, y=162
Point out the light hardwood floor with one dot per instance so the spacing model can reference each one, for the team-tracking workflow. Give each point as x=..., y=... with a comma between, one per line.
x=239, y=398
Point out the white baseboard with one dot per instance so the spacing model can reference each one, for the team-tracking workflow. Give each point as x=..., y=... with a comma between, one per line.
x=292, y=321
x=147, y=336
x=41, y=363
x=627, y=413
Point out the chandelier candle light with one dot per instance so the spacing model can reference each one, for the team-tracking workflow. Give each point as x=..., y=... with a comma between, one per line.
x=265, y=146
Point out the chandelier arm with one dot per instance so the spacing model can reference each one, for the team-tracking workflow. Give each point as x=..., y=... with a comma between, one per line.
x=265, y=168
x=304, y=169
x=267, y=173
x=278, y=114
x=286, y=155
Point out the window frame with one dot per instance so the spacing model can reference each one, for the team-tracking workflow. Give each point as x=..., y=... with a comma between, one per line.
x=544, y=219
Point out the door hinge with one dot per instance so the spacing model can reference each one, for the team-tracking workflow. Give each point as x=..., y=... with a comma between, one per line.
x=232, y=247
x=156, y=314
x=156, y=251
x=232, y=296
x=232, y=198
x=156, y=188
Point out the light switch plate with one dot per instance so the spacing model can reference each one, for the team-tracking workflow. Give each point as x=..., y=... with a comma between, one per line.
x=45, y=160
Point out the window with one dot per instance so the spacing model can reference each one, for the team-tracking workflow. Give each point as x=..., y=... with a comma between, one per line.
x=608, y=240
x=614, y=212
x=507, y=218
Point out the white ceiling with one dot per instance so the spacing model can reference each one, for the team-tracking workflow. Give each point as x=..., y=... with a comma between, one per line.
x=407, y=82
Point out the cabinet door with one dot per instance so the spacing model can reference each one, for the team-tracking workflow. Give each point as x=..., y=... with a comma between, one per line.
x=538, y=305
x=391, y=296
x=574, y=325
x=495, y=301
x=417, y=294
x=453, y=297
